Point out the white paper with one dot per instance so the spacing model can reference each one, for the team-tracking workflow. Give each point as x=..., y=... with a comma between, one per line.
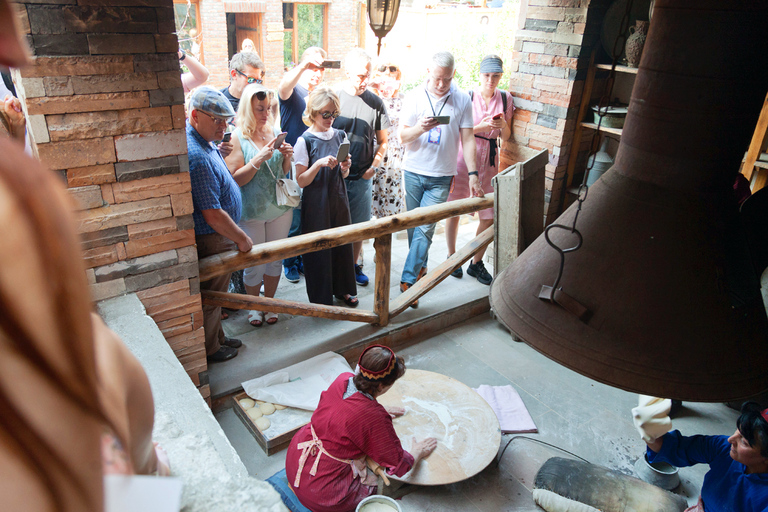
x=298, y=385
x=129, y=493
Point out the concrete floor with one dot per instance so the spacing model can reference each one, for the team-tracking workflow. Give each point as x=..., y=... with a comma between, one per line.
x=572, y=412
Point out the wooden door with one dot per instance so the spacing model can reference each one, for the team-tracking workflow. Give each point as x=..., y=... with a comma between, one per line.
x=248, y=25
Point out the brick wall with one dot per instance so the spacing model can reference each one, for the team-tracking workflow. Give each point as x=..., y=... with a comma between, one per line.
x=104, y=102
x=552, y=47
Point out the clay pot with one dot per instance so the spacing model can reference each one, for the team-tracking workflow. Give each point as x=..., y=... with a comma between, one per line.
x=635, y=42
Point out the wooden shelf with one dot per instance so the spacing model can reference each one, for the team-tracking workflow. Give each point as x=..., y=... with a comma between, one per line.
x=620, y=69
x=593, y=126
x=760, y=164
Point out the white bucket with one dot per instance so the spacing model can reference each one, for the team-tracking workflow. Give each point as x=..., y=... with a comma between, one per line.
x=377, y=498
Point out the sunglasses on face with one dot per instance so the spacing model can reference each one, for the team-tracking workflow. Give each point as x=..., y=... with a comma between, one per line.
x=328, y=115
x=215, y=119
x=392, y=69
x=249, y=79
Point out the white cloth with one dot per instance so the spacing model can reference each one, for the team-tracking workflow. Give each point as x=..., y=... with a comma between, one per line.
x=300, y=155
x=651, y=417
x=423, y=157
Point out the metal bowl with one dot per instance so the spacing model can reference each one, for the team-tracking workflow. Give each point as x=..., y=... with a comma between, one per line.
x=377, y=498
x=660, y=474
x=612, y=118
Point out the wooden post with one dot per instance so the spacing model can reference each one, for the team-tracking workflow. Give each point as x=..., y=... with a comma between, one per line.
x=383, y=247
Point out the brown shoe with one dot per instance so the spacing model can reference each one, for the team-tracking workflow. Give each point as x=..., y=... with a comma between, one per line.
x=422, y=273
x=403, y=288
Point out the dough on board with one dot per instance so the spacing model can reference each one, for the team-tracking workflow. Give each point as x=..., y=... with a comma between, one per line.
x=267, y=408
x=254, y=413
x=247, y=403
x=262, y=424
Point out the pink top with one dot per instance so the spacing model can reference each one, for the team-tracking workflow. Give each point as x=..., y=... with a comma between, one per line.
x=479, y=111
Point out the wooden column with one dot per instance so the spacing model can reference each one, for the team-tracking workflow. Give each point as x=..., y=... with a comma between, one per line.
x=383, y=246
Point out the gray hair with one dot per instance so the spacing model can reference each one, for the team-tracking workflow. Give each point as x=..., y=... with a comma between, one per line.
x=313, y=50
x=242, y=59
x=356, y=55
x=443, y=60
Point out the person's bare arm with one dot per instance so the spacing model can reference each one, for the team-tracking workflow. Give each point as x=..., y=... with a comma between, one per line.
x=422, y=449
x=292, y=77
x=409, y=134
x=198, y=74
x=378, y=157
x=235, y=160
x=306, y=175
x=223, y=224
x=470, y=156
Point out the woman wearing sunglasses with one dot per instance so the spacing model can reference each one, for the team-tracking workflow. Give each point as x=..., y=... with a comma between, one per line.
x=256, y=166
x=329, y=272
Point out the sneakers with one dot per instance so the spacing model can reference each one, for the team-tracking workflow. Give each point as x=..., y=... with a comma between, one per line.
x=301, y=266
x=223, y=354
x=360, y=278
x=458, y=273
x=478, y=270
x=292, y=274
x=232, y=342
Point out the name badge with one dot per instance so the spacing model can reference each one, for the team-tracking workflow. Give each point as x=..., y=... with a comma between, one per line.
x=434, y=135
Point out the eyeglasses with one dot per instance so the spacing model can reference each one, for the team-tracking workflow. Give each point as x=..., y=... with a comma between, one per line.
x=260, y=95
x=250, y=79
x=216, y=120
x=328, y=115
x=392, y=69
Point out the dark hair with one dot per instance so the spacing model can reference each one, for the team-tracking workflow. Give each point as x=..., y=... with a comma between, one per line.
x=753, y=426
x=376, y=359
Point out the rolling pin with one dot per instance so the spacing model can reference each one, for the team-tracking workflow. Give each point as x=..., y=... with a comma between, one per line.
x=378, y=470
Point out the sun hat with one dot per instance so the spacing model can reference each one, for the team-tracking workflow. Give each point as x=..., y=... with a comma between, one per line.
x=491, y=64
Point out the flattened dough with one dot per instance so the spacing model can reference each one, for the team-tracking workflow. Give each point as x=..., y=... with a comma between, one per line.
x=254, y=413
x=377, y=507
x=267, y=408
x=553, y=502
x=279, y=407
x=262, y=424
x=247, y=403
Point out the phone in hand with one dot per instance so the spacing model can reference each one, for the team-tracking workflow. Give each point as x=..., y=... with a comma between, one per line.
x=441, y=119
x=279, y=140
x=227, y=137
x=333, y=64
x=498, y=116
x=343, y=152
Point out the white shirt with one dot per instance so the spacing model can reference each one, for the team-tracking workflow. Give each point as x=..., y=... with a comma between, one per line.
x=421, y=155
x=300, y=154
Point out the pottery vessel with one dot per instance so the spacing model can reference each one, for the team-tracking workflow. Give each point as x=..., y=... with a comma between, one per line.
x=601, y=162
x=635, y=42
x=659, y=474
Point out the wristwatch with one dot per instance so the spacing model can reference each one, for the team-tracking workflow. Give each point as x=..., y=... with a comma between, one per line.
x=183, y=54
x=473, y=173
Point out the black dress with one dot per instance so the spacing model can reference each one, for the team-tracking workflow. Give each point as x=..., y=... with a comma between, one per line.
x=324, y=205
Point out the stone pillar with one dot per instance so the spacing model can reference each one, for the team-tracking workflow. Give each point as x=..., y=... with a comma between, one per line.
x=105, y=106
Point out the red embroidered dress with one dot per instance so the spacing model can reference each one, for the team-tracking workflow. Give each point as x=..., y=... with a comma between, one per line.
x=348, y=428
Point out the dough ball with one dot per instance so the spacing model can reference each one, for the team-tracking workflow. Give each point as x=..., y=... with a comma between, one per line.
x=247, y=403
x=262, y=424
x=267, y=409
x=260, y=402
x=254, y=413
x=279, y=407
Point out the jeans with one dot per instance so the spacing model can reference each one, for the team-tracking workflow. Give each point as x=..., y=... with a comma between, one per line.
x=359, y=194
x=421, y=191
x=294, y=231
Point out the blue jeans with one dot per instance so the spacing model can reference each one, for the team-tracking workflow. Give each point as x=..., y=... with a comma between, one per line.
x=359, y=195
x=294, y=231
x=421, y=191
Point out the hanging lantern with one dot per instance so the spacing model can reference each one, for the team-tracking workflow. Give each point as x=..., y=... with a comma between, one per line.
x=382, y=15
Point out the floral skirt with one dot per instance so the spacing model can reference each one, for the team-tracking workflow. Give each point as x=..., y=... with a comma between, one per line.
x=388, y=198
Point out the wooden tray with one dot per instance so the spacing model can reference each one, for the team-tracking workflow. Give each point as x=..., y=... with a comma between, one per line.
x=284, y=424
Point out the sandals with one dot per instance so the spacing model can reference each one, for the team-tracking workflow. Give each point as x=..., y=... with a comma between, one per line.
x=350, y=301
x=256, y=318
x=270, y=318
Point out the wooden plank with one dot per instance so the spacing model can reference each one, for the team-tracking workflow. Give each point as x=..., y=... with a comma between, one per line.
x=238, y=301
x=506, y=214
x=619, y=69
x=230, y=261
x=757, y=145
x=383, y=247
x=605, y=129
x=586, y=95
x=440, y=272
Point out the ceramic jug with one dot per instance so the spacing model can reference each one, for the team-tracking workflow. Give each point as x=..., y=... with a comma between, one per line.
x=635, y=42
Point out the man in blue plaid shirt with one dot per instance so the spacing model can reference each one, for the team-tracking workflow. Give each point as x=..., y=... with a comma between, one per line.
x=217, y=205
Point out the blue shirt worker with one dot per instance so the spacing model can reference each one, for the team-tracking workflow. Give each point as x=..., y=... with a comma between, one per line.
x=217, y=205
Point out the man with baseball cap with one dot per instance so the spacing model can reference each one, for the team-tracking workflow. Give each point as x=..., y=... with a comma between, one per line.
x=217, y=205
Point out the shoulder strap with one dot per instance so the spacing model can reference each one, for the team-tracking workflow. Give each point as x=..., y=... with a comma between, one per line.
x=471, y=95
x=503, y=100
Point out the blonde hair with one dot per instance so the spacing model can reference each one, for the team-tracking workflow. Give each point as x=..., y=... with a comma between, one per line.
x=246, y=120
x=317, y=100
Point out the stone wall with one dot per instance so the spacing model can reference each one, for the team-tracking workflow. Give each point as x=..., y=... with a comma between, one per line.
x=105, y=107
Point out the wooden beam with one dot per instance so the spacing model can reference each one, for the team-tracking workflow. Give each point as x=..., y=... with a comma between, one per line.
x=226, y=262
x=238, y=301
x=440, y=272
x=383, y=246
x=757, y=145
x=586, y=96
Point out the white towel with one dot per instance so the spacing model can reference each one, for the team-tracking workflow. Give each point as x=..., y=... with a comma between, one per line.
x=509, y=408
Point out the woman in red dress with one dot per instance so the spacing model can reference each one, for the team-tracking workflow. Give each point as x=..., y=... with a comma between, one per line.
x=326, y=461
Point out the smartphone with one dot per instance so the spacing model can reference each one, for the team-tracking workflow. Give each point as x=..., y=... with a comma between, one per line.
x=498, y=116
x=441, y=119
x=334, y=64
x=279, y=140
x=343, y=152
x=227, y=137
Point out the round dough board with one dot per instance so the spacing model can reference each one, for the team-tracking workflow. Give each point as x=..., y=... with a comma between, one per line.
x=465, y=426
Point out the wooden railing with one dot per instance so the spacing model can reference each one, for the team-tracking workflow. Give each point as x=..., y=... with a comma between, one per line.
x=381, y=231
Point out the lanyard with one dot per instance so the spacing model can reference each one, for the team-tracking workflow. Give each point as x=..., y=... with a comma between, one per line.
x=432, y=106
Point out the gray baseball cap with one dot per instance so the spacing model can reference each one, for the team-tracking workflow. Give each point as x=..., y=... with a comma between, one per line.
x=211, y=101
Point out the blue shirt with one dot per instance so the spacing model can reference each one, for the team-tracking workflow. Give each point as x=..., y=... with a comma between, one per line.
x=291, y=111
x=727, y=487
x=213, y=187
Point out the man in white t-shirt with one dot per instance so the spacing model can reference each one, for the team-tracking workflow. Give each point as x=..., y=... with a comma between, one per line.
x=431, y=149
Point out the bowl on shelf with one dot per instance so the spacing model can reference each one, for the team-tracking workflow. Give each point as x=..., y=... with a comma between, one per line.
x=613, y=117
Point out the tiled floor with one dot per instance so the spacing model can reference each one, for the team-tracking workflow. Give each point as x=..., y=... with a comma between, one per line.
x=572, y=412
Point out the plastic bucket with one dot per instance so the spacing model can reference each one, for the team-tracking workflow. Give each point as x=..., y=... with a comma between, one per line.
x=377, y=498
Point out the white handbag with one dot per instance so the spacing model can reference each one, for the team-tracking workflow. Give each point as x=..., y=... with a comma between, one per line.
x=287, y=191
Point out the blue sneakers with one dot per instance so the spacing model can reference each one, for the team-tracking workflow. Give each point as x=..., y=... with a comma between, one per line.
x=292, y=274
x=360, y=278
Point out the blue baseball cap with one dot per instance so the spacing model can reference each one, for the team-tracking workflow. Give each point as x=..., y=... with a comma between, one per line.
x=211, y=101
